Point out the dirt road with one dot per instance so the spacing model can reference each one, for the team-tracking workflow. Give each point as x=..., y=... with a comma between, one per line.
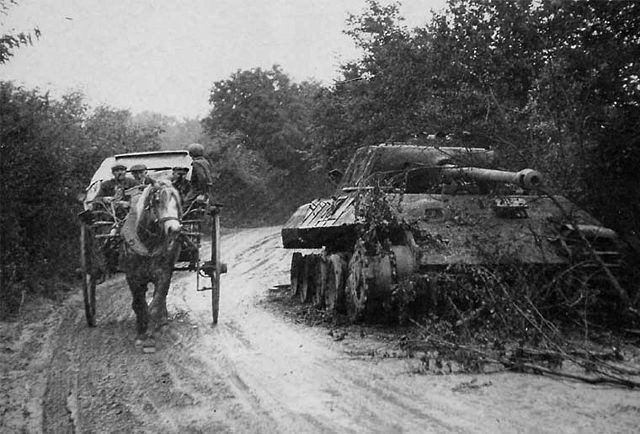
x=259, y=372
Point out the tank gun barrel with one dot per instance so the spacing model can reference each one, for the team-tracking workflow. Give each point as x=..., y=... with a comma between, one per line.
x=526, y=178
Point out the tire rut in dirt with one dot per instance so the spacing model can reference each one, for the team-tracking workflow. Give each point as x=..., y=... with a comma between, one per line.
x=98, y=379
x=257, y=417
x=123, y=388
x=60, y=397
x=71, y=384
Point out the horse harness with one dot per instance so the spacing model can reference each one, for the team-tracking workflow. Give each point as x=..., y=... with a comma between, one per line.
x=129, y=230
x=154, y=198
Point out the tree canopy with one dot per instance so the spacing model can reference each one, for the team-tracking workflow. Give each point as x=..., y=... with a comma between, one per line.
x=9, y=41
x=261, y=124
x=272, y=113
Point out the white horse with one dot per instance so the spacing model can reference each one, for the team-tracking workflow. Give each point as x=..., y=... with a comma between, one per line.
x=150, y=233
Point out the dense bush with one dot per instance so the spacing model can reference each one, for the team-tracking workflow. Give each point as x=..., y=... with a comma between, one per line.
x=49, y=149
x=261, y=143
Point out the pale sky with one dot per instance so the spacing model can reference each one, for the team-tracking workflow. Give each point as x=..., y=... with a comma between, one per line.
x=165, y=55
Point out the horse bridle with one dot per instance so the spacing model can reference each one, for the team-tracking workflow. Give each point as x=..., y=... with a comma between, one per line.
x=154, y=198
x=166, y=219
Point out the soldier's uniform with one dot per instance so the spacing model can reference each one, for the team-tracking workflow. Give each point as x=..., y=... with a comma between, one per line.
x=139, y=172
x=201, y=177
x=201, y=174
x=181, y=183
x=116, y=188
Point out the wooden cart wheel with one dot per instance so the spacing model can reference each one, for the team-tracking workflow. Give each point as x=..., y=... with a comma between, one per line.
x=215, y=259
x=88, y=275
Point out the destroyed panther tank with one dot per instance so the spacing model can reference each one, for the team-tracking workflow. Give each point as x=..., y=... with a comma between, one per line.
x=403, y=210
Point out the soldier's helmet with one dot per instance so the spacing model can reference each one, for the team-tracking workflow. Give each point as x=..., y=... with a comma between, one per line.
x=196, y=150
x=118, y=166
x=138, y=168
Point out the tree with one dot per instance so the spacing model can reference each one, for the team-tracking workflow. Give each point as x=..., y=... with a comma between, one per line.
x=267, y=108
x=468, y=70
x=584, y=104
x=386, y=95
x=12, y=40
x=260, y=127
x=36, y=135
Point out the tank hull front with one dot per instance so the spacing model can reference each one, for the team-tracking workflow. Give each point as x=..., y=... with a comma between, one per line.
x=320, y=224
x=445, y=229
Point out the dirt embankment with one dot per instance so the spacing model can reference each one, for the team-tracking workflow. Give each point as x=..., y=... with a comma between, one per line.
x=261, y=371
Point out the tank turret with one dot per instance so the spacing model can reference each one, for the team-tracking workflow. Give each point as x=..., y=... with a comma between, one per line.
x=430, y=208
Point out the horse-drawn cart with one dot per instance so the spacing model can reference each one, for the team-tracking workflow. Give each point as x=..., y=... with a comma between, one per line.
x=106, y=223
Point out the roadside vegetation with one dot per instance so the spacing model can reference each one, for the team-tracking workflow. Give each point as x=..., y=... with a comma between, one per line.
x=50, y=149
x=552, y=85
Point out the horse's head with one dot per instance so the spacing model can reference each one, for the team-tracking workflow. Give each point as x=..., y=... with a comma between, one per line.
x=162, y=203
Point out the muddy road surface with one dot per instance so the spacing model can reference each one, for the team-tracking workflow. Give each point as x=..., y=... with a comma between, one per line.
x=259, y=371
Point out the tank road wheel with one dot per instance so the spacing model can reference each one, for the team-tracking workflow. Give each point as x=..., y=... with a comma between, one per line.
x=319, y=280
x=305, y=289
x=334, y=287
x=369, y=284
x=88, y=275
x=297, y=267
x=357, y=286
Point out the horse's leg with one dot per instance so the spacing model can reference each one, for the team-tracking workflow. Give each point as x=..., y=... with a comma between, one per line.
x=139, y=304
x=161, y=281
